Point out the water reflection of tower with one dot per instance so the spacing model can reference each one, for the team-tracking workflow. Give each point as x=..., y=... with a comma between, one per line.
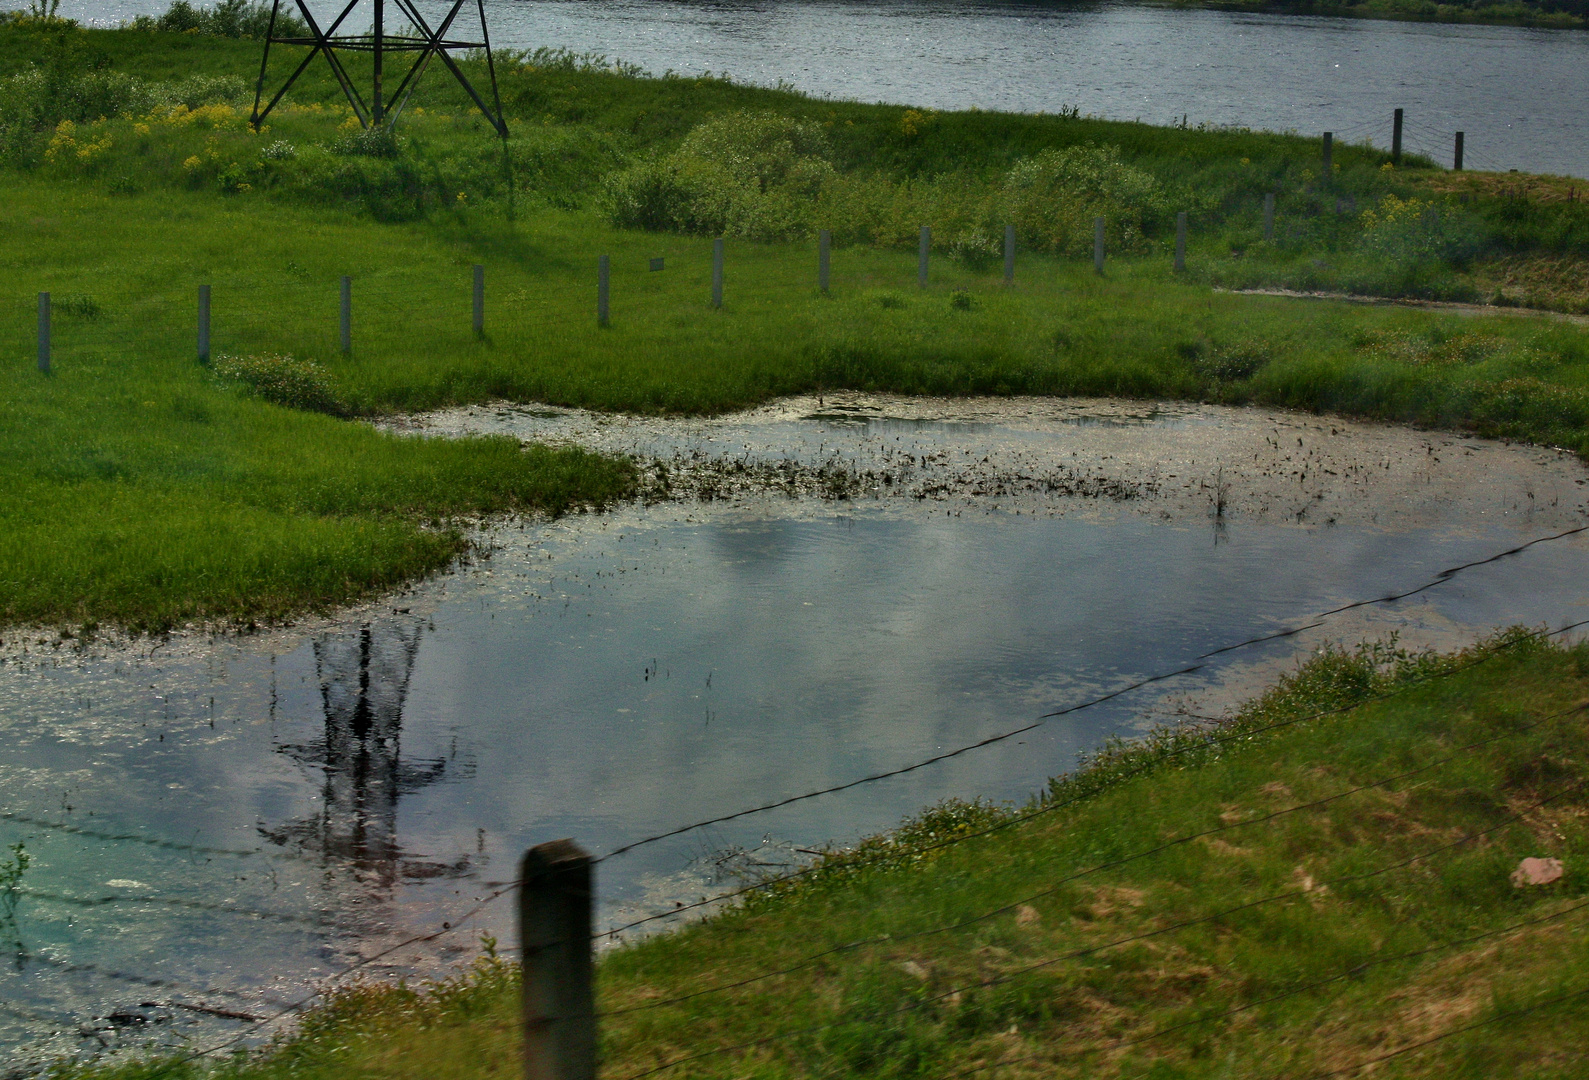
x=363, y=684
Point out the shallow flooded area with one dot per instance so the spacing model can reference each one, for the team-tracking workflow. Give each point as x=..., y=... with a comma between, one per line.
x=808, y=593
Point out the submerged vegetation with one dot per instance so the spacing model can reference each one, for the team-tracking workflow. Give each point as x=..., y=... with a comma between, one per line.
x=1324, y=881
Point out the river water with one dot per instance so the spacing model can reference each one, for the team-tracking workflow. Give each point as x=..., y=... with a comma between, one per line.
x=1516, y=93
x=831, y=589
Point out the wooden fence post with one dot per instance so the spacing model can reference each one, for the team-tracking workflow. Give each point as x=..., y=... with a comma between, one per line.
x=1457, y=157
x=1180, y=242
x=717, y=272
x=603, y=290
x=555, y=900
x=204, y=324
x=1395, y=139
x=44, y=332
x=1329, y=148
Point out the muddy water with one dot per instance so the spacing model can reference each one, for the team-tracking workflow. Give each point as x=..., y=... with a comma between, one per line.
x=811, y=592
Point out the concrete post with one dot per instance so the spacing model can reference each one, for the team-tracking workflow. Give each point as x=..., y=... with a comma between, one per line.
x=603, y=291
x=922, y=248
x=44, y=332
x=204, y=324
x=347, y=314
x=1180, y=242
x=479, y=301
x=1009, y=254
x=717, y=272
x=559, y=1006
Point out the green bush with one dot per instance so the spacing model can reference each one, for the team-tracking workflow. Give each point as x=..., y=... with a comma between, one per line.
x=771, y=177
x=1052, y=199
x=1415, y=230
x=282, y=380
x=229, y=18
x=756, y=175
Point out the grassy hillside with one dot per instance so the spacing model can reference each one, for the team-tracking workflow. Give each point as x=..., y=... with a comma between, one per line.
x=131, y=177
x=1319, y=885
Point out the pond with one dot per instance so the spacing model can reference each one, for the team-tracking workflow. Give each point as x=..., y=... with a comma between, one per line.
x=811, y=592
x=1515, y=92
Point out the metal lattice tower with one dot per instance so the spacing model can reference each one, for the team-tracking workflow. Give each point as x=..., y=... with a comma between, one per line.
x=424, y=42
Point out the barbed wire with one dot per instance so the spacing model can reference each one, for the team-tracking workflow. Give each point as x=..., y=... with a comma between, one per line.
x=151, y=841
x=1092, y=949
x=1197, y=665
x=450, y=926
x=150, y=981
x=1353, y=972
x=1051, y=807
x=170, y=901
x=1112, y=864
x=1512, y=1014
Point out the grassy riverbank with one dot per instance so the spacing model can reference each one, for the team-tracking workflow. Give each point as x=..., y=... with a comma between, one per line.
x=142, y=488
x=1321, y=882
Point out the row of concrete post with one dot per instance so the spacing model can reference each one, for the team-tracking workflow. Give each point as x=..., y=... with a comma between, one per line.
x=824, y=263
x=345, y=320
x=604, y=284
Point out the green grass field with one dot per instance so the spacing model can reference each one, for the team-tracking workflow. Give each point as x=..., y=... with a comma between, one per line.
x=1320, y=884
x=144, y=489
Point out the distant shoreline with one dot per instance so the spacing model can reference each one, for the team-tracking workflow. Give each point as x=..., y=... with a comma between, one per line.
x=1515, y=13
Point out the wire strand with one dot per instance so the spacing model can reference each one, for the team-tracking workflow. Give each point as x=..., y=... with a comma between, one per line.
x=1198, y=664
x=1051, y=807
x=1448, y=1034
x=1100, y=867
x=1091, y=949
x=1350, y=973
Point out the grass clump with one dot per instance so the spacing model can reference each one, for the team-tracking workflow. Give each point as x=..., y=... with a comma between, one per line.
x=282, y=380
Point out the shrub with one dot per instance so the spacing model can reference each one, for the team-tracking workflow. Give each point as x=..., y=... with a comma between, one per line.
x=1414, y=230
x=229, y=18
x=378, y=142
x=744, y=174
x=282, y=380
x=1053, y=198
